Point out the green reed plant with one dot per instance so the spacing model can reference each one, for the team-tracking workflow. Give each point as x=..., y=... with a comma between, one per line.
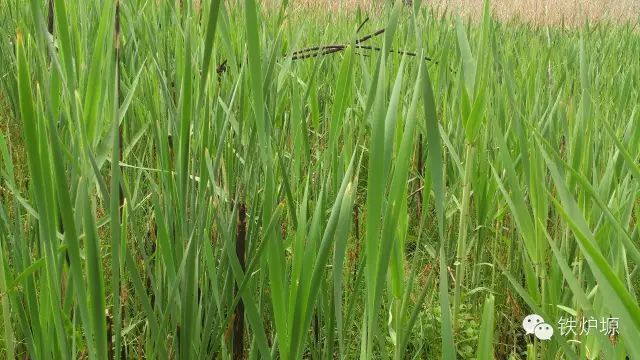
x=365, y=204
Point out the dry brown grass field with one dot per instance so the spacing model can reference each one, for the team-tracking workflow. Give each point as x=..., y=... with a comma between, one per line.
x=539, y=12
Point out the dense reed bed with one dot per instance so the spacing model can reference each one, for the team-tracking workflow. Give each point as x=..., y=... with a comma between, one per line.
x=176, y=182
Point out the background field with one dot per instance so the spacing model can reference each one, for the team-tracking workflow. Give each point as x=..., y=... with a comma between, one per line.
x=228, y=180
x=569, y=13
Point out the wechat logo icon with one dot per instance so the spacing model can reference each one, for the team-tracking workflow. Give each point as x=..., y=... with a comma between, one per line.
x=535, y=324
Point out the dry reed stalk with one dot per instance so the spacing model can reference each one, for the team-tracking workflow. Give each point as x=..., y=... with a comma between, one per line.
x=316, y=51
x=238, y=318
